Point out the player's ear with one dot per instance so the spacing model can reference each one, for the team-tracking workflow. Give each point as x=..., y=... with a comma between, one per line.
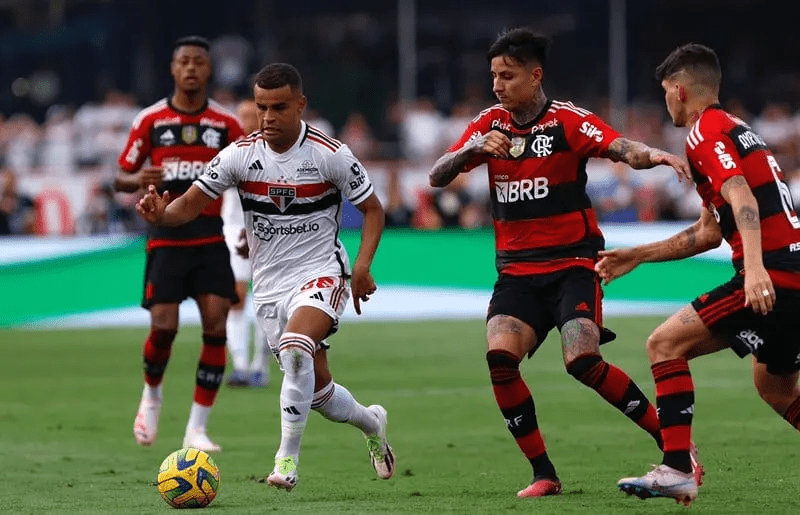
x=302, y=102
x=681, y=93
x=536, y=75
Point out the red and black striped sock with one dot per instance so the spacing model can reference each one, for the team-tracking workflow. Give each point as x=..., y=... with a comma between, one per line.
x=792, y=413
x=516, y=404
x=156, y=351
x=210, y=369
x=618, y=389
x=675, y=398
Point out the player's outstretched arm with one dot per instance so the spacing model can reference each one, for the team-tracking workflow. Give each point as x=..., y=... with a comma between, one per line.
x=448, y=166
x=638, y=156
x=361, y=283
x=705, y=234
x=759, y=291
x=157, y=209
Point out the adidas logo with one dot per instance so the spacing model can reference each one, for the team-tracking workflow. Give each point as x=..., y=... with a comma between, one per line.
x=631, y=406
x=318, y=296
x=688, y=411
x=256, y=166
x=291, y=410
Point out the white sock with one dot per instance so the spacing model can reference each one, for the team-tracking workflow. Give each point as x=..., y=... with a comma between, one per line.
x=296, y=391
x=152, y=393
x=238, y=333
x=261, y=352
x=335, y=402
x=198, y=417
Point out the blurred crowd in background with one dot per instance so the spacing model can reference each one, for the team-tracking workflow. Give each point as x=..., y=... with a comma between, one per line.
x=75, y=74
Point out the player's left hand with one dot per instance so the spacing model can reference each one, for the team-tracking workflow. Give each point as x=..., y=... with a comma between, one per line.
x=151, y=207
x=362, y=285
x=665, y=158
x=759, y=293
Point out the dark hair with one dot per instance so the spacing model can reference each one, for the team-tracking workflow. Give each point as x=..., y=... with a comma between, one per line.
x=521, y=44
x=191, y=41
x=277, y=75
x=697, y=60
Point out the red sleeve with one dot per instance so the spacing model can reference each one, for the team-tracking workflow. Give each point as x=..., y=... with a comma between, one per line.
x=235, y=132
x=479, y=126
x=715, y=156
x=587, y=134
x=138, y=146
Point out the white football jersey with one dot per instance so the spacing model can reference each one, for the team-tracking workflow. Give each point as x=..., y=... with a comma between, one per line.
x=292, y=205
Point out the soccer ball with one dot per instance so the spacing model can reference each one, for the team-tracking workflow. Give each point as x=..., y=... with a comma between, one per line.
x=188, y=478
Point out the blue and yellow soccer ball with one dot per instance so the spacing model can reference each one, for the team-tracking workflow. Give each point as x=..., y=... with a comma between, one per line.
x=188, y=478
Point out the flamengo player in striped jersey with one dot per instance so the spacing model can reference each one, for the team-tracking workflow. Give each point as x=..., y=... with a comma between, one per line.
x=179, y=135
x=746, y=202
x=547, y=239
x=291, y=178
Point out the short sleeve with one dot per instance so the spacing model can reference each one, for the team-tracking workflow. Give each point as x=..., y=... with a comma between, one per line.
x=137, y=148
x=479, y=126
x=349, y=175
x=220, y=173
x=587, y=134
x=717, y=157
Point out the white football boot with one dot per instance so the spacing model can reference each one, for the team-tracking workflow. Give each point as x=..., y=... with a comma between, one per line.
x=380, y=452
x=284, y=475
x=197, y=438
x=145, y=426
x=662, y=481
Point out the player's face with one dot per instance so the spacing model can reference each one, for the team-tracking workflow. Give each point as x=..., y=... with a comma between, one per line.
x=675, y=106
x=279, y=114
x=248, y=115
x=191, y=68
x=513, y=83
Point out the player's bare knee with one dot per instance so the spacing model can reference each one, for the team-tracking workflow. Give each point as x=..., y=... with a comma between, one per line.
x=661, y=347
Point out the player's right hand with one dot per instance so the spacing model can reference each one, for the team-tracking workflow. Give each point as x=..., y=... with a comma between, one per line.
x=493, y=143
x=151, y=207
x=151, y=175
x=614, y=263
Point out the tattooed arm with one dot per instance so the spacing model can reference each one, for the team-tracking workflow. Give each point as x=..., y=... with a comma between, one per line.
x=705, y=234
x=745, y=213
x=451, y=164
x=638, y=155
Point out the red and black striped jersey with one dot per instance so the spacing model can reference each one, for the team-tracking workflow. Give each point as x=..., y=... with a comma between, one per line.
x=182, y=143
x=720, y=146
x=543, y=218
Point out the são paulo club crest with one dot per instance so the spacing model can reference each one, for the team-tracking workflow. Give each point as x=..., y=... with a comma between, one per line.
x=282, y=196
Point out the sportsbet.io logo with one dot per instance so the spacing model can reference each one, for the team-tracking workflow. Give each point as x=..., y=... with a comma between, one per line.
x=265, y=230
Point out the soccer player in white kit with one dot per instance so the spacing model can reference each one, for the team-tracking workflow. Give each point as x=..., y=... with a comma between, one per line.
x=291, y=179
x=247, y=371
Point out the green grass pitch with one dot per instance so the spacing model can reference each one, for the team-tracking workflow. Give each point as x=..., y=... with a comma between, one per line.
x=68, y=399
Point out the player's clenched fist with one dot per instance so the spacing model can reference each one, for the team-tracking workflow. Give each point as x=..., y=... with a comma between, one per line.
x=151, y=207
x=493, y=143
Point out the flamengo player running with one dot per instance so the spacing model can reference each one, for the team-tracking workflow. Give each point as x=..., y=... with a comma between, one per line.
x=748, y=204
x=179, y=135
x=291, y=178
x=547, y=239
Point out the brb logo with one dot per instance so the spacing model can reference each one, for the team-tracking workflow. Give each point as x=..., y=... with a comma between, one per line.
x=525, y=189
x=265, y=230
x=178, y=170
x=751, y=339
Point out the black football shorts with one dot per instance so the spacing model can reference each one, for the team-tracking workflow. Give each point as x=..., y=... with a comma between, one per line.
x=550, y=300
x=173, y=274
x=772, y=338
